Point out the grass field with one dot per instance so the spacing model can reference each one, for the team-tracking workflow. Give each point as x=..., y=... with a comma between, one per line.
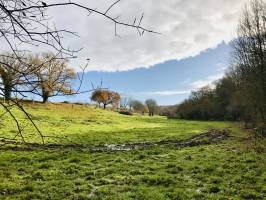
x=230, y=169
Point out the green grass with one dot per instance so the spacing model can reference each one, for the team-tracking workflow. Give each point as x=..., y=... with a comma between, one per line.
x=230, y=169
x=91, y=126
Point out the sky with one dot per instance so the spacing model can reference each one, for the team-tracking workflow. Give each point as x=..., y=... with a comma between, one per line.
x=169, y=83
x=192, y=49
x=187, y=28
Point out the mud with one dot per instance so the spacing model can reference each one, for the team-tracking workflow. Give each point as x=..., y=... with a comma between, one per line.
x=210, y=137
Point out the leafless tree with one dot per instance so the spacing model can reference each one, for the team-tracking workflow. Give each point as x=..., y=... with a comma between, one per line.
x=125, y=102
x=250, y=58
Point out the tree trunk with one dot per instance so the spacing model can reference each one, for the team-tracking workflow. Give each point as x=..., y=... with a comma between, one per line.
x=104, y=106
x=45, y=98
x=7, y=92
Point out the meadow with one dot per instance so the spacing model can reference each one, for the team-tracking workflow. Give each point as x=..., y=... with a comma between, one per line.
x=233, y=168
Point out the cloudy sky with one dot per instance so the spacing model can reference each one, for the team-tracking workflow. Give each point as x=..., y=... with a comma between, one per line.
x=191, y=51
x=169, y=82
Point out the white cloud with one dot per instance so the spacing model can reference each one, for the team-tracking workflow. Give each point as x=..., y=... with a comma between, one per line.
x=193, y=85
x=206, y=82
x=187, y=26
x=166, y=93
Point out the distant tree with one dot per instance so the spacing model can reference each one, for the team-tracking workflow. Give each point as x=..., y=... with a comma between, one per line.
x=116, y=100
x=97, y=96
x=200, y=105
x=224, y=102
x=151, y=105
x=224, y=91
x=138, y=106
x=228, y=98
x=125, y=103
x=10, y=70
x=169, y=111
x=53, y=75
x=105, y=97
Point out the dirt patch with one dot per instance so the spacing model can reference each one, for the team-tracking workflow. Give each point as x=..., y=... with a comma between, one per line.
x=210, y=137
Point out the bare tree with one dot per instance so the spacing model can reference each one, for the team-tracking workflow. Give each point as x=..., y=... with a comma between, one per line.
x=125, y=102
x=28, y=22
x=250, y=58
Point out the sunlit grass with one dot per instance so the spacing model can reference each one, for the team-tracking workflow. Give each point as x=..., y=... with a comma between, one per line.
x=226, y=170
x=88, y=125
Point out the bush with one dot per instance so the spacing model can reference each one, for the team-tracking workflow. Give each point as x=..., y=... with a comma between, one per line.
x=125, y=112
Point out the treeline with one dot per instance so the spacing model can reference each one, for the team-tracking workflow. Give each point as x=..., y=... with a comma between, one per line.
x=125, y=105
x=241, y=94
x=224, y=102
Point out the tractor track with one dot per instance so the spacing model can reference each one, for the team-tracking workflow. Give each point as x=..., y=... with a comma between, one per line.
x=210, y=137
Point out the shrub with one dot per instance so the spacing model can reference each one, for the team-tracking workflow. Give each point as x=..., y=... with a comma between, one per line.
x=125, y=112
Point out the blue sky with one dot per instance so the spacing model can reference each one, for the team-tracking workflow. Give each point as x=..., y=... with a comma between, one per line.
x=191, y=51
x=169, y=82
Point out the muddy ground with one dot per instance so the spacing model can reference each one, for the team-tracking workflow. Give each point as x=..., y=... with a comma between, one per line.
x=210, y=137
